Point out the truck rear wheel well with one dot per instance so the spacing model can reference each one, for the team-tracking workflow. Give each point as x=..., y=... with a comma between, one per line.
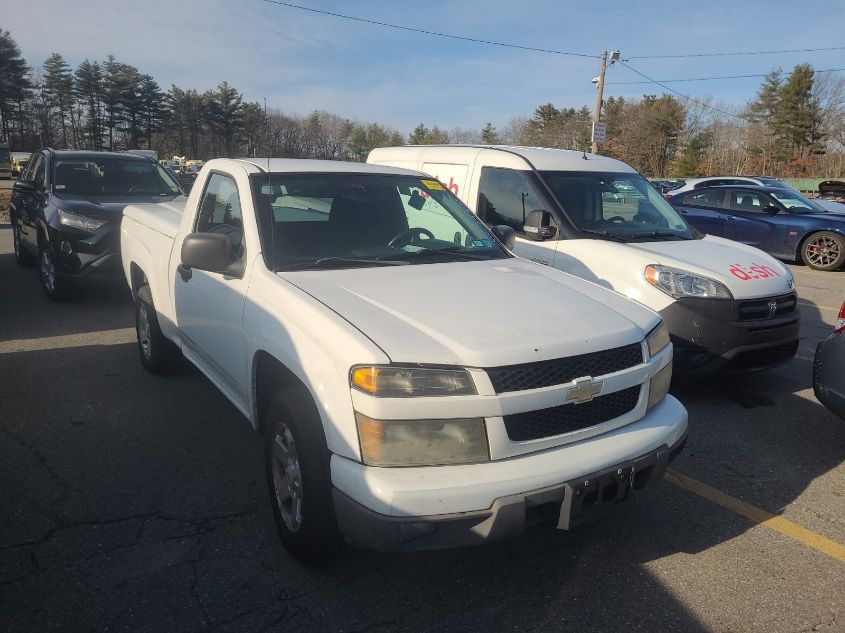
x=139, y=279
x=270, y=378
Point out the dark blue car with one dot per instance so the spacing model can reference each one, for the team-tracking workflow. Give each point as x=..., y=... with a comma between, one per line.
x=781, y=222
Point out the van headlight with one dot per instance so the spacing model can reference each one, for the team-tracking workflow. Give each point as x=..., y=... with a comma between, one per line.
x=681, y=283
x=422, y=442
x=386, y=381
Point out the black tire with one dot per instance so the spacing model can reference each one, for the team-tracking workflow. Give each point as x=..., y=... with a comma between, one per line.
x=55, y=286
x=23, y=257
x=310, y=535
x=823, y=251
x=158, y=354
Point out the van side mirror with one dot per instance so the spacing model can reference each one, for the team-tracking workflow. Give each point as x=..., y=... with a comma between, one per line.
x=538, y=226
x=505, y=234
x=208, y=251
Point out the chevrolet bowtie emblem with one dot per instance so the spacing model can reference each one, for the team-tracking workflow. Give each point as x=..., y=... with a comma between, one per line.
x=585, y=389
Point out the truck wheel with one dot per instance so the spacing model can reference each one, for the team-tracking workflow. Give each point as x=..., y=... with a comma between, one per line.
x=22, y=256
x=299, y=479
x=158, y=354
x=823, y=251
x=54, y=285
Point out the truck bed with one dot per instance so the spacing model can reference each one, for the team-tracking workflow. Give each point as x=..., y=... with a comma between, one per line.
x=161, y=217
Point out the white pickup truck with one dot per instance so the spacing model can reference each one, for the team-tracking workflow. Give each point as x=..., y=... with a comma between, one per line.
x=417, y=385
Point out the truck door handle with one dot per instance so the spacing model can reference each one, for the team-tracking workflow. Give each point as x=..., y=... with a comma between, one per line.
x=184, y=272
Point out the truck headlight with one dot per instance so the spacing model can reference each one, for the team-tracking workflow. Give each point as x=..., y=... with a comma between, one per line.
x=659, y=386
x=77, y=221
x=402, y=382
x=681, y=283
x=422, y=442
x=657, y=339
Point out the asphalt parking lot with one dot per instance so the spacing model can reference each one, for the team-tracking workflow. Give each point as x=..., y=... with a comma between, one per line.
x=130, y=502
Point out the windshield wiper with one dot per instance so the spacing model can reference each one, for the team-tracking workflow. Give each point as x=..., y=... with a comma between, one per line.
x=659, y=234
x=340, y=262
x=456, y=251
x=606, y=234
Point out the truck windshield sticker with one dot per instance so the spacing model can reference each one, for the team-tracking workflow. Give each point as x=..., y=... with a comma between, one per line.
x=433, y=185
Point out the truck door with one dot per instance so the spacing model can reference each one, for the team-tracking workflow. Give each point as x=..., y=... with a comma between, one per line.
x=210, y=306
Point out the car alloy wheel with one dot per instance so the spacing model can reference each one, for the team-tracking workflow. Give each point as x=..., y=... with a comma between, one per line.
x=287, y=477
x=48, y=270
x=823, y=251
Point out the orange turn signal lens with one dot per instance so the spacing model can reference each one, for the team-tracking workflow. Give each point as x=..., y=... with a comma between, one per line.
x=365, y=378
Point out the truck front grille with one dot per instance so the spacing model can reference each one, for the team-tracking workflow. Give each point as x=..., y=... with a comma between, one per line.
x=562, y=370
x=534, y=425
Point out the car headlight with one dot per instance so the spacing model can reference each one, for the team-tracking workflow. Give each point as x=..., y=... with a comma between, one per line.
x=402, y=382
x=422, y=442
x=657, y=339
x=659, y=386
x=681, y=283
x=77, y=221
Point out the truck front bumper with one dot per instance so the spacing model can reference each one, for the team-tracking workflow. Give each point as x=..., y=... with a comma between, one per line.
x=401, y=509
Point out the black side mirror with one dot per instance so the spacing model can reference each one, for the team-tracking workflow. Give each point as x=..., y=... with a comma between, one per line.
x=538, y=226
x=771, y=209
x=24, y=185
x=506, y=235
x=207, y=251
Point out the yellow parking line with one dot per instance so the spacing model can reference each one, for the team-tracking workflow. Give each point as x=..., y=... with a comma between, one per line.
x=779, y=524
x=103, y=337
x=813, y=305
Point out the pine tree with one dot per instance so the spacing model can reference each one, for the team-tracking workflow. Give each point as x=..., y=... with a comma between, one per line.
x=58, y=91
x=15, y=86
x=88, y=89
x=489, y=135
x=225, y=106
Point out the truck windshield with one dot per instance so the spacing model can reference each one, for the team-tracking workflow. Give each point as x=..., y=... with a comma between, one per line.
x=314, y=221
x=111, y=177
x=620, y=205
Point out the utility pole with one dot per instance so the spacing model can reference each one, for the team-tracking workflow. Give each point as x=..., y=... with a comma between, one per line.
x=599, y=94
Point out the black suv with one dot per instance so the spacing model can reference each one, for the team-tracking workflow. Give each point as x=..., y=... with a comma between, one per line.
x=66, y=210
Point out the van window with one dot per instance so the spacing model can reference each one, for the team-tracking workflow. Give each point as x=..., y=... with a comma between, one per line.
x=506, y=196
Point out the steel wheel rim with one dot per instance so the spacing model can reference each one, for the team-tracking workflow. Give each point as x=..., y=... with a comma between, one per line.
x=823, y=251
x=48, y=271
x=144, y=339
x=287, y=478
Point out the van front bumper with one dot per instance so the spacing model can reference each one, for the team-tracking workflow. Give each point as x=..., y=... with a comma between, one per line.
x=402, y=509
x=710, y=335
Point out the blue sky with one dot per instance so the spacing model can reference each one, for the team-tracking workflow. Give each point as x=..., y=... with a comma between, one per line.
x=301, y=61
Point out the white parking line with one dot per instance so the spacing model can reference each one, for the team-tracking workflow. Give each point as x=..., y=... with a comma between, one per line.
x=103, y=337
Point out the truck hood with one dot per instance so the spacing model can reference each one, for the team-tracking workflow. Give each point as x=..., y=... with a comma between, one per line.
x=478, y=314
x=748, y=272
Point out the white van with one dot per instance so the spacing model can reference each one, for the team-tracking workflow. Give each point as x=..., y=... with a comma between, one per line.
x=726, y=304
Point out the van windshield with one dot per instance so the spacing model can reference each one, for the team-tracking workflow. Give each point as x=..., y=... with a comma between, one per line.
x=352, y=220
x=620, y=205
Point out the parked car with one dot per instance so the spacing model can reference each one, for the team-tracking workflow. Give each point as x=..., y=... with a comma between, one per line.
x=187, y=176
x=417, y=385
x=665, y=186
x=832, y=195
x=781, y=222
x=597, y=218
x=829, y=368
x=66, y=210
x=19, y=161
x=715, y=181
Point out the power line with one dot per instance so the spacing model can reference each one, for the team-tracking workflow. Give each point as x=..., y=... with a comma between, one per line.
x=631, y=83
x=680, y=94
x=425, y=32
x=793, y=50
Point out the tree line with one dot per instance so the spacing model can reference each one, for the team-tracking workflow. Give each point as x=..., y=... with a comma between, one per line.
x=794, y=126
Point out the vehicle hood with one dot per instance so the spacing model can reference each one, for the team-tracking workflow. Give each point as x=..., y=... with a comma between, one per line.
x=478, y=314
x=104, y=206
x=747, y=271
